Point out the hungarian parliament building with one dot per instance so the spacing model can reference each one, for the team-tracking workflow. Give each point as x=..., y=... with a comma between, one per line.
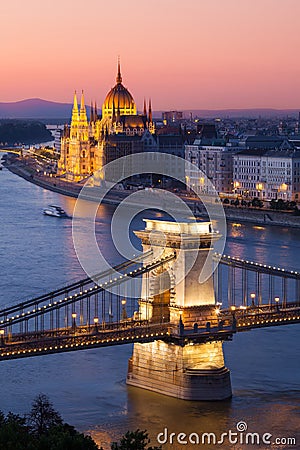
x=88, y=144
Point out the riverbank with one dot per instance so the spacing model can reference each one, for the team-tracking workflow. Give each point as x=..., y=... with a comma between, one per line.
x=258, y=217
x=71, y=189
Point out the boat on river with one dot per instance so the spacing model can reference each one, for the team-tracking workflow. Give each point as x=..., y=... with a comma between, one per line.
x=55, y=211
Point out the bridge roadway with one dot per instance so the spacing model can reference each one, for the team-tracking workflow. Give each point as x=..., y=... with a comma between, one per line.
x=262, y=316
x=41, y=325
x=231, y=321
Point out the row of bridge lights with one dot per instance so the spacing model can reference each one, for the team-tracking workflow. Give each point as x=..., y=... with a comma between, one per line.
x=103, y=285
x=243, y=307
x=74, y=317
x=256, y=264
x=65, y=299
x=83, y=344
x=96, y=319
x=252, y=296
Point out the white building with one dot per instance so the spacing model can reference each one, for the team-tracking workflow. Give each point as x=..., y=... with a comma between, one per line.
x=58, y=133
x=215, y=161
x=268, y=174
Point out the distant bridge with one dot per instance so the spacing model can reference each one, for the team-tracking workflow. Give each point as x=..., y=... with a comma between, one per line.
x=11, y=150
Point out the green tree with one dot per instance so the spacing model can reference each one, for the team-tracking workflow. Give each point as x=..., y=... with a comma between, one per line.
x=43, y=416
x=281, y=204
x=134, y=440
x=257, y=203
x=14, y=433
x=291, y=205
x=65, y=437
x=17, y=432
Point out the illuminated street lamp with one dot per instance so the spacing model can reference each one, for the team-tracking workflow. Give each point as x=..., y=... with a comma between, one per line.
x=243, y=308
x=2, y=343
x=124, y=312
x=277, y=300
x=74, y=315
x=233, y=309
x=96, y=321
x=252, y=296
x=236, y=186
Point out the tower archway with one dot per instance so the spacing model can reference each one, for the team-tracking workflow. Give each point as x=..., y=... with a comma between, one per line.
x=161, y=296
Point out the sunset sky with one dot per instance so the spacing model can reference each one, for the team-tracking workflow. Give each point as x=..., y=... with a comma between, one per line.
x=183, y=54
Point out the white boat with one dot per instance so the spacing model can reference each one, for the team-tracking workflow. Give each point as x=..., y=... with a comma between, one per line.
x=55, y=211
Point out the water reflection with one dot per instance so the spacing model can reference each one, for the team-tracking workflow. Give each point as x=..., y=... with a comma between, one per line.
x=278, y=414
x=89, y=387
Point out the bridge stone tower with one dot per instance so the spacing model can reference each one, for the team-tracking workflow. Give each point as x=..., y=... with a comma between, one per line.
x=173, y=293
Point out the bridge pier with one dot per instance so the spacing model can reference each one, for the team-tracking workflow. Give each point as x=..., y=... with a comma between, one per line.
x=181, y=368
x=189, y=372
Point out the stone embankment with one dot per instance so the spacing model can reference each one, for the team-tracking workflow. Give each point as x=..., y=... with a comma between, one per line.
x=257, y=216
x=233, y=214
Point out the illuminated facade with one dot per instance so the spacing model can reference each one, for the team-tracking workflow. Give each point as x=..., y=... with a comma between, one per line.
x=190, y=371
x=216, y=163
x=268, y=174
x=86, y=145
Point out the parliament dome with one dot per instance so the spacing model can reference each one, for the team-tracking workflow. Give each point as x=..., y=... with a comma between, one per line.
x=118, y=99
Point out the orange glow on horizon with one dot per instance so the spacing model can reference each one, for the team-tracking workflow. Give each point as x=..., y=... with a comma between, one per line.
x=184, y=55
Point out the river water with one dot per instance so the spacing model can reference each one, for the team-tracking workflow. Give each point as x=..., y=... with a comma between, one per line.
x=88, y=387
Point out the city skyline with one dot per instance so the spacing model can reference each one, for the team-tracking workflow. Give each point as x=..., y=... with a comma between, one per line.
x=184, y=56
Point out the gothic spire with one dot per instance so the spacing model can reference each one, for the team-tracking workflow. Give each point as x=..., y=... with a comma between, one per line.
x=75, y=110
x=82, y=107
x=92, y=117
x=119, y=76
x=145, y=108
x=150, y=111
x=75, y=103
x=82, y=112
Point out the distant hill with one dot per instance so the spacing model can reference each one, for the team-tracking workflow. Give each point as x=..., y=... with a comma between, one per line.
x=36, y=108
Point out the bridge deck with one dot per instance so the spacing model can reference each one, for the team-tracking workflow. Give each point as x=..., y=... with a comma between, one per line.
x=47, y=324
x=21, y=345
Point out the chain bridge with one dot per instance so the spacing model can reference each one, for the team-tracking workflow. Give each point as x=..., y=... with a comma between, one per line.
x=146, y=304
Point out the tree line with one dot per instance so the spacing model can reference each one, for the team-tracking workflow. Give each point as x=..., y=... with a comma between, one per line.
x=44, y=429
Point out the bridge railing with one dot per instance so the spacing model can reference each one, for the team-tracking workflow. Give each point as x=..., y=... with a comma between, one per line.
x=76, y=341
x=244, y=283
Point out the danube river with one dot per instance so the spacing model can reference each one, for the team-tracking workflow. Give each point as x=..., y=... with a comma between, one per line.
x=88, y=387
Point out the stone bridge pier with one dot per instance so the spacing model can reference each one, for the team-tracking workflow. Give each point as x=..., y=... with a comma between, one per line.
x=173, y=293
